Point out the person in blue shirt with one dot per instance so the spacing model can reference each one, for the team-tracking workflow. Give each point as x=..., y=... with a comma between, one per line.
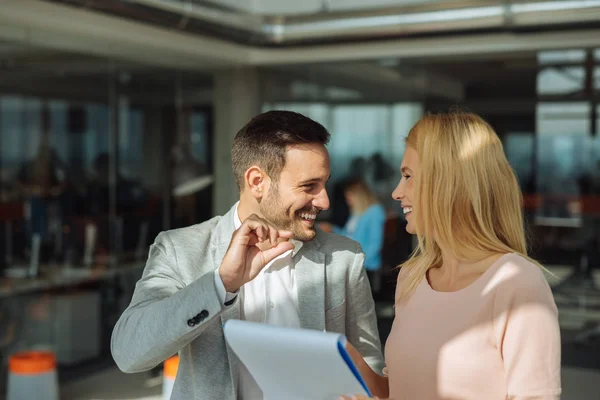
x=365, y=225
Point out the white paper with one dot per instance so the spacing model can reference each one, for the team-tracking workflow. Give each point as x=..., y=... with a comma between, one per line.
x=294, y=364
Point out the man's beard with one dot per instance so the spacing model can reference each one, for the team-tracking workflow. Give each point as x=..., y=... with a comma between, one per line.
x=275, y=212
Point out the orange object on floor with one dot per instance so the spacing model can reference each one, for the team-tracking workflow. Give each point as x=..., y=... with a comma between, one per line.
x=32, y=375
x=171, y=366
x=32, y=362
x=170, y=372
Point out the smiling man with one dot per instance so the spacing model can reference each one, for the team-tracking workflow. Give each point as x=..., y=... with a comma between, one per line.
x=263, y=261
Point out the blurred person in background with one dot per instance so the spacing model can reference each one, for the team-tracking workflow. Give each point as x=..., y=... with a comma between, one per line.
x=365, y=225
x=264, y=261
x=42, y=182
x=475, y=316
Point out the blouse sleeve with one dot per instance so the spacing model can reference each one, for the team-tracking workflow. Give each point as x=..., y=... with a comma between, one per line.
x=528, y=334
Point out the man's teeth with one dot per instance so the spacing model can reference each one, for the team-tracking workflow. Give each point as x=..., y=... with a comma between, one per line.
x=406, y=210
x=308, y=216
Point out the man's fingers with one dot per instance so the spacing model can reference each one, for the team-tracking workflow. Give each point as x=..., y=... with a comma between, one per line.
x=273, y=235
x=270, y=254
x=263, y=230
x=252, y=225
x=261, y=233
x=286, y=234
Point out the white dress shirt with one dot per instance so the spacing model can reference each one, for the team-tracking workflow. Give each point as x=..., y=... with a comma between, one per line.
x=271, y=297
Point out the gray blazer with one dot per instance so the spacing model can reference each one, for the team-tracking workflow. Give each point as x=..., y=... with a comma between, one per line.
x=175, y=307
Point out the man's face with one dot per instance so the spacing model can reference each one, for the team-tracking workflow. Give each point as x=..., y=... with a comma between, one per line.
x=294, y=201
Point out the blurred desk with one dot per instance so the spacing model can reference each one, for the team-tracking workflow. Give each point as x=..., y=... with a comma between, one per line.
x=60, y=277
x=72, y=310
x=110, y=383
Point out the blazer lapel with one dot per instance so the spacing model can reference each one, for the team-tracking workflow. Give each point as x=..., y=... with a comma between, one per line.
x=223, y=232
x=310, y=282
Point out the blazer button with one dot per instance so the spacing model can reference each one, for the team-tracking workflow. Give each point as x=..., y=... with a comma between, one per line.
x=191, y=323
x=203, y=314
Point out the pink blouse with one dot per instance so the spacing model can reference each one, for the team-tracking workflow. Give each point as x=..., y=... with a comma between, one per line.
x=496, y=339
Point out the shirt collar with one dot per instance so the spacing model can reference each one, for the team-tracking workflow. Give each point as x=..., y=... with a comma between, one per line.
x=237, y=223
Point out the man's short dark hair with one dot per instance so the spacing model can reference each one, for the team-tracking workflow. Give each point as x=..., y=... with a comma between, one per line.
x=266, y=138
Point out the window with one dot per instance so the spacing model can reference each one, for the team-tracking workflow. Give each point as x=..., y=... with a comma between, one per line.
x=560, y=80
x=561, y=56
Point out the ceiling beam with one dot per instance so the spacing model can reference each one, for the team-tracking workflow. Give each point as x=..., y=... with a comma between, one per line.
x=370, y=78
x=66, y=28
x=423, y=48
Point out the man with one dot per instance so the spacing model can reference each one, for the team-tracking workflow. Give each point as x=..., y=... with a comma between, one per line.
x=263, y=261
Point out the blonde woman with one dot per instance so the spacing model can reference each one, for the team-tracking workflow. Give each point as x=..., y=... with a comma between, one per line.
x=475, y=317
x=365, y=225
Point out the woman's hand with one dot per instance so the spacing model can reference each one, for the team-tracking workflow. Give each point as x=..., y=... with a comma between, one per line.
x=355, y=355
x=376, y=383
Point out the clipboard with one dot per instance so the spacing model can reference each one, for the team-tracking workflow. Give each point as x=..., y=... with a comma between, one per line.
x=293, y=363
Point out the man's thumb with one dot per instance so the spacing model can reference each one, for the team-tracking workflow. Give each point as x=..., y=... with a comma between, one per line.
x=270, y=254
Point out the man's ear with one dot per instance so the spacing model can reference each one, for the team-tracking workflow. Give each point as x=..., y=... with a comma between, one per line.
x=256, y=181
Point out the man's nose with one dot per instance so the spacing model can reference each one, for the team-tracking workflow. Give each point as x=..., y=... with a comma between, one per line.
x=321, y=201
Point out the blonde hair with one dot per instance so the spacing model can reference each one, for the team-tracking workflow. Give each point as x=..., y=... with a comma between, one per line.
x=363, y=196
x=467, y=198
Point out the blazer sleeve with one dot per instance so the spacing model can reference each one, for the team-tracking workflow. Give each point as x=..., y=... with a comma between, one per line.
x=164, y=314
x=361, y=320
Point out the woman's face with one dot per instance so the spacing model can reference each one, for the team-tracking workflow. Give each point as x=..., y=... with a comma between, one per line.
x=405, y=190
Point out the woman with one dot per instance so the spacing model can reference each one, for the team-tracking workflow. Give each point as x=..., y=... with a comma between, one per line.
x=475, y=317
x=365, y=225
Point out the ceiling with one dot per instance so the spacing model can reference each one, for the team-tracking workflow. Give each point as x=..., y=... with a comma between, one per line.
x=292, y=23
x=64, y=27
x=79, y=53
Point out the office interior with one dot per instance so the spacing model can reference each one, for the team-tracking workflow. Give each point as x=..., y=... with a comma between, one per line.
x=116, y=122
